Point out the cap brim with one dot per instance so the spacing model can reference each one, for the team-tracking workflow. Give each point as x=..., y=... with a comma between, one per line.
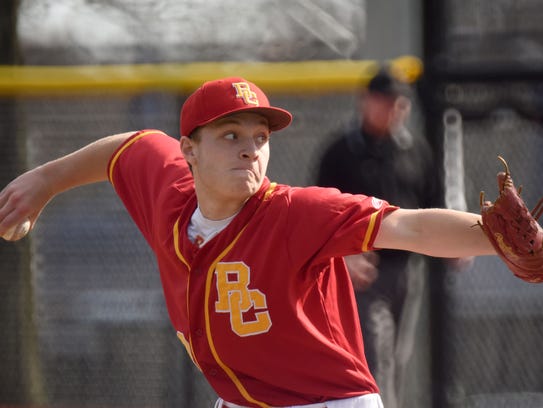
x=277, y=118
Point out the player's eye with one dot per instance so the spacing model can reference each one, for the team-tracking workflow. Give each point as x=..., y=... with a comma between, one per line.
x=230, y=136
x=262, y=138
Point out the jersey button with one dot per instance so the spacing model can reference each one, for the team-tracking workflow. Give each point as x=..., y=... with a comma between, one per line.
x=213, y=372
x=199, y=332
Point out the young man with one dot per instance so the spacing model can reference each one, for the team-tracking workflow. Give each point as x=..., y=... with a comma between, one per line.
x=252, y=271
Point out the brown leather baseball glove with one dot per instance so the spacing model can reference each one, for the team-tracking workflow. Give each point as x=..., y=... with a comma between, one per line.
x=513, y=230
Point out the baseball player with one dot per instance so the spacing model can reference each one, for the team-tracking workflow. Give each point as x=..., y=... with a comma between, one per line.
x=253, y=272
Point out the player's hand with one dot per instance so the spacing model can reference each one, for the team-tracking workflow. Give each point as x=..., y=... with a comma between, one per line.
x=24, y=198
x=363, y=269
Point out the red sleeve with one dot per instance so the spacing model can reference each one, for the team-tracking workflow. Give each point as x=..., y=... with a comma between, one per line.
x=337, y=224
x=151, y=177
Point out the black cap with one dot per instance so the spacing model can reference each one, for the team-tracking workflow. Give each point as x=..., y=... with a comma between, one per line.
x=384, y=83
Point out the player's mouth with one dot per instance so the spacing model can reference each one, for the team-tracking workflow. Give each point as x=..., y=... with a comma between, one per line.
x=244, y=169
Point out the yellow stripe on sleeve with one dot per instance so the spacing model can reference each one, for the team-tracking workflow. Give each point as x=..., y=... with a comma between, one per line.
x=369, y=231
x=122, y=149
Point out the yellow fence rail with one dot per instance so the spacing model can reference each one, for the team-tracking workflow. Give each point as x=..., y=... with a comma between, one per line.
x=277, y=77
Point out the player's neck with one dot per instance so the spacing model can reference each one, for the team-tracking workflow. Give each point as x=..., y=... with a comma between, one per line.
x=213, y=209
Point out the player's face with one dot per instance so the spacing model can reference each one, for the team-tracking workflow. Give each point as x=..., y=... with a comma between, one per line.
x=229, y=158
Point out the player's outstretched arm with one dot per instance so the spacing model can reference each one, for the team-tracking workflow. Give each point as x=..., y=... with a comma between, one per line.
x=27, y=195
x=434, y=232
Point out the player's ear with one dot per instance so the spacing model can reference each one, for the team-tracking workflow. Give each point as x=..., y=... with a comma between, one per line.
x=188, y=149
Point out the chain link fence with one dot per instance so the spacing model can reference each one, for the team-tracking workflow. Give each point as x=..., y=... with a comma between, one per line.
x=492, y=321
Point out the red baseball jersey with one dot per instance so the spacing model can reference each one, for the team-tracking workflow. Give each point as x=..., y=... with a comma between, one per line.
x=266, y=308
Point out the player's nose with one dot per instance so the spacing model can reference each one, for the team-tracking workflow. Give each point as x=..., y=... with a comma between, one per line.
x=249, y=149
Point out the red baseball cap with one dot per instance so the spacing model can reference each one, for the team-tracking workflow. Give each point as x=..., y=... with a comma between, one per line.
x=222, y=97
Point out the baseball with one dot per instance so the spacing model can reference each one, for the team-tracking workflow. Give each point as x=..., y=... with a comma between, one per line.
x=17, y=231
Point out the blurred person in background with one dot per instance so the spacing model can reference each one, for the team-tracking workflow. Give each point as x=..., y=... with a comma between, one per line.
x=377, y=155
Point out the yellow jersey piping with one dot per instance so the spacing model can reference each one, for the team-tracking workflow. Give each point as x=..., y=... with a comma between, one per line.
x=369, y=231
x=121, y=150
x=186, y=343
x=226, y=369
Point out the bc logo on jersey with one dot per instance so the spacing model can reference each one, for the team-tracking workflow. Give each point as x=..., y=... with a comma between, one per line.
x=235, y=297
